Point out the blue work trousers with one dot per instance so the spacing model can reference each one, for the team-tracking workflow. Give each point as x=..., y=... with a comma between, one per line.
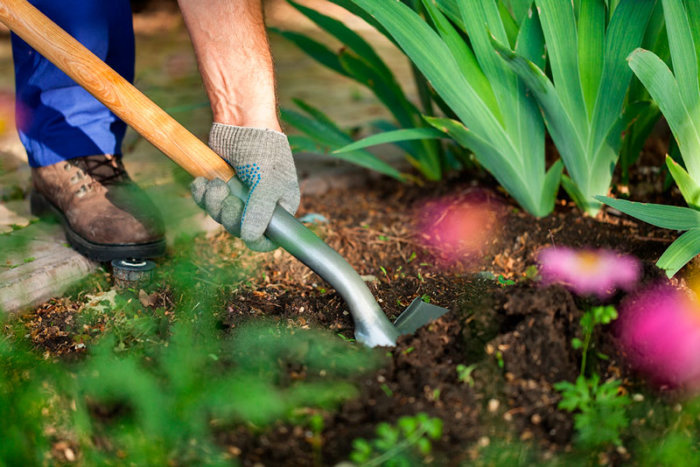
x=56, y=118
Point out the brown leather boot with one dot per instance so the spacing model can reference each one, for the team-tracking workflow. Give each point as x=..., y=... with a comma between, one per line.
x=105, y=215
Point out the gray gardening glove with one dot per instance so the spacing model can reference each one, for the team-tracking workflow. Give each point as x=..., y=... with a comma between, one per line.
x=263, y=162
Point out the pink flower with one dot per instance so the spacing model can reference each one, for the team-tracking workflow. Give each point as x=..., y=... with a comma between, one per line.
x=597, y=272
x=660, y=335
x=458, y=229
x=12, y=114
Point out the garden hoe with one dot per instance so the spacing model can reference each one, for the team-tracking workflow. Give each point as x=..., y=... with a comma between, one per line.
x=372, y=327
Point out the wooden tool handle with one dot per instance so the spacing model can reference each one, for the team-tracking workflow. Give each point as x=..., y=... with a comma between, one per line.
x=120, y=96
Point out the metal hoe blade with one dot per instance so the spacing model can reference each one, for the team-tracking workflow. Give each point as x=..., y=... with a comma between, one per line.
x=418, y=313
x=372, y=327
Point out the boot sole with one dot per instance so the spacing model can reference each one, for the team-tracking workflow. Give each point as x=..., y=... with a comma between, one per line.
x=100, y=252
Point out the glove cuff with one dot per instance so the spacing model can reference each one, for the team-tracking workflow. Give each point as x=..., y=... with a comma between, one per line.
x=237, y=143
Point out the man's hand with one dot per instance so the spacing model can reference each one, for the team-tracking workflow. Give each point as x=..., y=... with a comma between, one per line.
x=263, y=161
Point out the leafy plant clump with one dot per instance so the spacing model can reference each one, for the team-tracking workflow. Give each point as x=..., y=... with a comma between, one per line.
x=492, y=112
x=359, y=61
x=403, y=444
x=583, y=102
x=678, y=98
x=600, y=408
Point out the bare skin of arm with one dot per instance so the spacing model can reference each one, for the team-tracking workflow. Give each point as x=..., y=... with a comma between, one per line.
x=230, y=42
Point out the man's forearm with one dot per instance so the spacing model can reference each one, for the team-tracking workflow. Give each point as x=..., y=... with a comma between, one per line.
x=233, y=54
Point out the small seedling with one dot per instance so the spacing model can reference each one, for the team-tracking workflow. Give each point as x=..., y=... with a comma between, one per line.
x=464, y=374
x=499, y=360
x=600, y=409
x=425, y=298
x=346, y=339
x=532, y=272
x=387, y=390
x=316, y=424
x=503, y=281
x=593, y=317
x=403, y=444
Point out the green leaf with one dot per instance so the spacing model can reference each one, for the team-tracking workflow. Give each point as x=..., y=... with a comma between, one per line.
x=304, y=144
x=406, y=134
x=685, y=248
x=520, y=8
x=657, y=78
x=434, y=59
x=408, y=425
x=434, y=428
x=530, y=42
x=591, y=46
x=560, y=125
x=693, y=15
x=638, y=132
x=330, y=138
x=451, y=10
x=530, y=45
x=509, y=23
x=683, y=54
x=463, y=55
x=317, y=114
x=625, y=33
x=314, y=49
x=604, y=314
x=559, y=26
x=483, y=22
x=689, y=187
x=359, y=12
x=667, y=217
x=347, y=37
x=324, y=134
x=551, y=184
x=388, y=92
x=501, y=167
x=424, y=446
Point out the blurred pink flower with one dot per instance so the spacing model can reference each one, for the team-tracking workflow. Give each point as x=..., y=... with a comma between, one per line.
x=458, y=229
x=596, y=272
x=660, y=335
x=12, y=114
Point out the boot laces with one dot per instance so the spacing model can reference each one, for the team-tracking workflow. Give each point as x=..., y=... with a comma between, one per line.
x=103, y=170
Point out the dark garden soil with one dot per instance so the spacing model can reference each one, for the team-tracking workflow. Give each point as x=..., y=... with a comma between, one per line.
x=517, y=336
x=515, y=332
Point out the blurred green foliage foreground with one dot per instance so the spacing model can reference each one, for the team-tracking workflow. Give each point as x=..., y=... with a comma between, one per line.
x=153, y=390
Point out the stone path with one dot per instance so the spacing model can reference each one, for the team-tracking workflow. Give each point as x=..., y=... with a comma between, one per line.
x=35, y=261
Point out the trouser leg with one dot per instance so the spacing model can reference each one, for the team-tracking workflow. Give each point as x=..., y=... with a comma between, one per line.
x=56, y=118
